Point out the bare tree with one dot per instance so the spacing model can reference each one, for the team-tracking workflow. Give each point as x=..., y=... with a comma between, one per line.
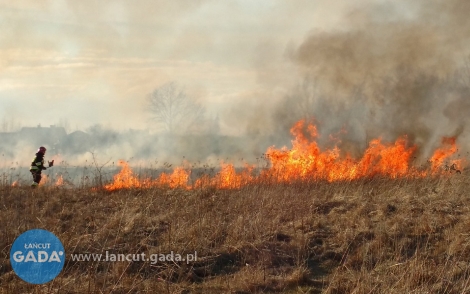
x=175, y=111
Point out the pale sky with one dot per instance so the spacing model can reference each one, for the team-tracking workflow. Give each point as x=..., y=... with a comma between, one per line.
x=95, y=61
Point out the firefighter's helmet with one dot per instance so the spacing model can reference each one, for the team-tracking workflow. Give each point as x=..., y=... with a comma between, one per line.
x=42, y=149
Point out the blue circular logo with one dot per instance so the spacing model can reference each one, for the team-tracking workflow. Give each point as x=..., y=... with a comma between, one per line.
x=37, y=256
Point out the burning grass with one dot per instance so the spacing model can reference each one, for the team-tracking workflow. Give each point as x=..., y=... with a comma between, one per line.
x=375, y=235
x=305, y=162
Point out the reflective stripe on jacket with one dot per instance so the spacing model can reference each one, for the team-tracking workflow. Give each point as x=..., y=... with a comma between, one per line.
x=38, y=163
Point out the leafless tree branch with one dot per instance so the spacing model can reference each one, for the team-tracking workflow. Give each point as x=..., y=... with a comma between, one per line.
x=175, y=111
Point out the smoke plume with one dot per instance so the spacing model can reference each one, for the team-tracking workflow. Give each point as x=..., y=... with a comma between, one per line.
x=386, y=73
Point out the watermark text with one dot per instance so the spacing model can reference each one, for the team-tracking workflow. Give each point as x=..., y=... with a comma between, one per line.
x=135, y=257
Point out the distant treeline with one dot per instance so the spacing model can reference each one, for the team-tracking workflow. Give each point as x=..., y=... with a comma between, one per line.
x=137, y=144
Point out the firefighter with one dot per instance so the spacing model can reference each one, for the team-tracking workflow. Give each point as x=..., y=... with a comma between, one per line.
x=37, y=166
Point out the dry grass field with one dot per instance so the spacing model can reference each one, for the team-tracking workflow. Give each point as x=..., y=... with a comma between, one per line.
x=374, y=235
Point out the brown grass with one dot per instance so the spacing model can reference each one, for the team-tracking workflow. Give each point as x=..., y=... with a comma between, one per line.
x=371, y=236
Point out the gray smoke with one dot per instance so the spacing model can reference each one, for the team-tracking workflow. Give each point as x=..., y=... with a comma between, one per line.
x=386, y=74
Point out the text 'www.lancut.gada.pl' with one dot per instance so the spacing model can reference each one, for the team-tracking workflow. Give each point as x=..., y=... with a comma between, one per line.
x=135, y=257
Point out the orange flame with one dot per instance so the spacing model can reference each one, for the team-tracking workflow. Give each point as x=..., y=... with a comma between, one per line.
x=440, y=155
x=178, y=179
x=60, y=181
x=125, y=179
x=15, y=184
x=306, y=162
x=227, y=178
x=44, y=180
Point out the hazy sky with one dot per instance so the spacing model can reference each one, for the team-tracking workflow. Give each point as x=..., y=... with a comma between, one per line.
x=95, y=61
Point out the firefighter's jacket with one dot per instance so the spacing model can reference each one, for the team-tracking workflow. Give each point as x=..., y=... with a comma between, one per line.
x=37, y=164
